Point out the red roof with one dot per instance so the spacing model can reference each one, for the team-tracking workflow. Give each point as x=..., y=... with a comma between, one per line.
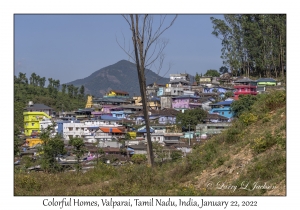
x=112, y=130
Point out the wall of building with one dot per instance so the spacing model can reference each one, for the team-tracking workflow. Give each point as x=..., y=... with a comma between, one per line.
x=225, y=111
x=32, y=121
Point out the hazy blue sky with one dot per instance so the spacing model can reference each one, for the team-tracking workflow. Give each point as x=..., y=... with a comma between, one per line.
x=70, y=47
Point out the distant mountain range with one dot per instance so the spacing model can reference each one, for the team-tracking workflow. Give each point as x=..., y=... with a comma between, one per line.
x=119, y=76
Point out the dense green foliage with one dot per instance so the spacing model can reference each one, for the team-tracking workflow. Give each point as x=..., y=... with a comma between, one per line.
x=243, y=104
x=50, y=149
x=223, y=70
x=212, y=73
x=190, y=118
x=139, y=158
x=50, y=95
x=78, y=149
x=253, y=44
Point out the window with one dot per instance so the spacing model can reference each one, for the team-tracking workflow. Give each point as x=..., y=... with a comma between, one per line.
x=222, y=113
x=32, y=124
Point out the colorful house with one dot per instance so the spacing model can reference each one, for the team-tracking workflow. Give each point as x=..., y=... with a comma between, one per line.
x=33, y=115
x=222, y=108
x=266, y=82
x=117, y=93
x=184, y=102
x=245, y=86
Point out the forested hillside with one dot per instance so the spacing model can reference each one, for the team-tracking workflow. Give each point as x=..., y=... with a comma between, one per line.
x=253, y=44
x=33, y=89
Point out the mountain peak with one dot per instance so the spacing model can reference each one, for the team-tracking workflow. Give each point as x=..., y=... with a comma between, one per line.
x=119, y=76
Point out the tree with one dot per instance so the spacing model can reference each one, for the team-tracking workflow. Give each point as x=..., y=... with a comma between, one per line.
x=197, y=78
x=228, y=94
x=79, y=149
x=17, y=141
x=138, y=158
x=223, y=70
x=212, y=73
x=253, y=44
x=144, y=36
x=159, y=151
x=50, y=149
x=42, y=82
x=63, y=89
x=190, y=118
x=243, y=104
x=176, y=155
x=81, y=91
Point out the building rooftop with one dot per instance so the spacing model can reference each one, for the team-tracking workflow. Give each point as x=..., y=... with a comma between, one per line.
x=186, y=96
x=37, y=107
x=119, y=91
x=111, y=100
x=223, y=103
x=179, y=80
x=266, y=80
x=245, y=79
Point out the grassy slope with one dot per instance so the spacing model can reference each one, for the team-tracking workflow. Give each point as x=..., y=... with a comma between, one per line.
x=252, y=151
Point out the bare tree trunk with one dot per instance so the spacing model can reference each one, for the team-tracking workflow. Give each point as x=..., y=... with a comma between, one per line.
x=143, y=38
x=140, y=63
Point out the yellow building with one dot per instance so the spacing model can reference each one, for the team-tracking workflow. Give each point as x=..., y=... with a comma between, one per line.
x=32, y=121
x=132, y=135
x=33, y=114
x=153, y=103
x=33, y=142
x=117, y=93
x=89, y=103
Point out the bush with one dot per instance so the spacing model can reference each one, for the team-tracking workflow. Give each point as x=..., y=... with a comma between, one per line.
x=276, y=99
x=138, y=158
x=176, y=155
x=248, y=118
x=261, y=144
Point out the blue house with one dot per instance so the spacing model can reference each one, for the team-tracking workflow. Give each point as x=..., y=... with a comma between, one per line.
x=222, y=108
x=118, y=114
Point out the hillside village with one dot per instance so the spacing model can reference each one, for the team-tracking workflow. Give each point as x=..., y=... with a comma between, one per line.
x=115, y=122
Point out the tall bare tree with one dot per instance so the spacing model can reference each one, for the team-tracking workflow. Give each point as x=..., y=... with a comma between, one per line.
x=147, y=48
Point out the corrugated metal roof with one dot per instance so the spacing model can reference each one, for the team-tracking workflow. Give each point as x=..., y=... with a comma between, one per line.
x=38, y=107
x=223, y=103
x=266, y=80
x=108, y=117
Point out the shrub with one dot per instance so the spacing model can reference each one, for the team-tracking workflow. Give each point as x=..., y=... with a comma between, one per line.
x=138, y=158
x=248, y=118
x=276, y=99
x=176, y=155
x=265, y=142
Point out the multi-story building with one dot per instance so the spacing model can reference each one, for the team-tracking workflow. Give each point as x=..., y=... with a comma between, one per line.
x=33, y=115
x=116, y=93
x=185, y=102
x=244, y=86
x=222, y=108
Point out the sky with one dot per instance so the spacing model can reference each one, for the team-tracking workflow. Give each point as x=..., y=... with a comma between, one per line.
x=69, y=47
